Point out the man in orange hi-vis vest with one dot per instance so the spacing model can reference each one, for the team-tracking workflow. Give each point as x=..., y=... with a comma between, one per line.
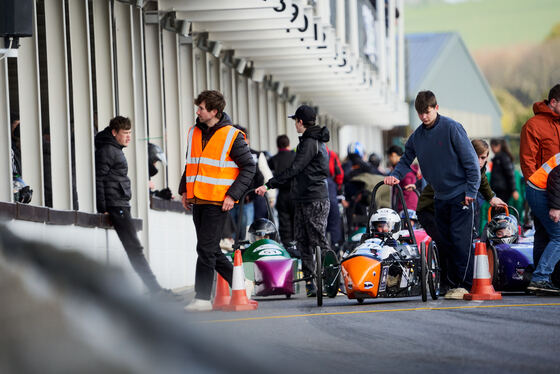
x=538, y=201
x=540, y=144
x=219, y=169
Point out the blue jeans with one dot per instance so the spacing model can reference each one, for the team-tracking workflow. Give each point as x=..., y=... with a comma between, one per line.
x=538, y=201
x=246, y=220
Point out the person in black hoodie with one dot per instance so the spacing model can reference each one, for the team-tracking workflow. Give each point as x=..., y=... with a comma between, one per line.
x=502, y=178
x=310, y=171
x=113, y=195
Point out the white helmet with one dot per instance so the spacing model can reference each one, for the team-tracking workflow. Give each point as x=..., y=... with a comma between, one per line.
x=385, y=222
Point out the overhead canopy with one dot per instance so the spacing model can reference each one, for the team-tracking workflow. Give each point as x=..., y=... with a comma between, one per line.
x=295, y=45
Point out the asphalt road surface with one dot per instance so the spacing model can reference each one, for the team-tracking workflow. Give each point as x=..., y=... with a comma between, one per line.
x=515, y=334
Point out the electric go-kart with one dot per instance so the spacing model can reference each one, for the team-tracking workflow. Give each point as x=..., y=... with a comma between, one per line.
x=265, y=261
x=388, y=264
x=510, y=256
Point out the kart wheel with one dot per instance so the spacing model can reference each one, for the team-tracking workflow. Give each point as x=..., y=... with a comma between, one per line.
x=331, y=270
x=288, y=295
x=433, y=271
x=423, y=272
x=319, y=275
x=360, y=300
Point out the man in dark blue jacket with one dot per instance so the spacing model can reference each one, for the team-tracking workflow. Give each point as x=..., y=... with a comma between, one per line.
x=310, y=171
x=450, y=165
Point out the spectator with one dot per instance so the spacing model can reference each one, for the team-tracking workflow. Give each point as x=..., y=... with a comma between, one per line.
x=310, y=170
x=255, y=205
x=408, y=183
x=211, y=190
x=285, y=205
x=542, y=195
x=449, y=163
x=335, y=179
x=502, y=177
x=540, y=140
x=356, y=192
x=375, y=162
x=113, y=195
x=481, y=149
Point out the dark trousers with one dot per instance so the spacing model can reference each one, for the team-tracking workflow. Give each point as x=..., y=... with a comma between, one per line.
x=311, y=225
x=455, y=224
x=209, y=221
x=428, y=221
x=286, y=209
x=122, y=221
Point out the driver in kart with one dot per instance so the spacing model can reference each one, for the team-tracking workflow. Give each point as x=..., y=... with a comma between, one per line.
x=386, y=223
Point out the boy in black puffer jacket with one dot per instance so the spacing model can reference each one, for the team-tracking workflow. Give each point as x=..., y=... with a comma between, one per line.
x=113, y=195
x=309, y=171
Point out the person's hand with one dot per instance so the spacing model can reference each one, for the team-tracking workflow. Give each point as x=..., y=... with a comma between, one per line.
x=261, y=190
x=186, y=205
x=228, y=203
x=391, y=181
x=497, y=202
x=468, y=200
x=515, y=195
x=554, y=215
x=410, y=187
x=152, y=185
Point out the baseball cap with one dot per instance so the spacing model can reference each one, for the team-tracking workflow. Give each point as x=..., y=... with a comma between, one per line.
x=304, y=113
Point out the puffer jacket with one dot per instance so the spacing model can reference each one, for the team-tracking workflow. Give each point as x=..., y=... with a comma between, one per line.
x=553, y=188
x=239, y=153
x=310, y=168
x=503, y=174
x=112, y=185
x=540, y=139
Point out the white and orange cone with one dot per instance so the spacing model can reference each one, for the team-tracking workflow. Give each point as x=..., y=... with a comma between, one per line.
x=222, y=298
x=239, y=300
x=482, y=288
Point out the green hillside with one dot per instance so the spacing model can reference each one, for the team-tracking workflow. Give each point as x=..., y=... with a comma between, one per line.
x=486, y=23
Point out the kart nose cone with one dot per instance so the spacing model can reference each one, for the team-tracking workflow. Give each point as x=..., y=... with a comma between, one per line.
x=274, y=277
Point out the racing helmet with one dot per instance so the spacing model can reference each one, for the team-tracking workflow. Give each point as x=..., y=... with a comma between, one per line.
x=374, y=160
x=155, y=154
x=356, y=148
x=385, y=222
x=262, y=228
x=411, y=214
x=22, y=192
x=502, y=229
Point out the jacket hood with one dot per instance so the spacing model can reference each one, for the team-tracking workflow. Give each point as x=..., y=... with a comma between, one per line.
x=319, y=133
x=224, y=121
x=106, y=137
x=542, y=108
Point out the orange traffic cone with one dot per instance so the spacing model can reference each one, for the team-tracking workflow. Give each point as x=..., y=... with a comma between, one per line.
x=239, y=299
x=222, y=297
x=482, y=288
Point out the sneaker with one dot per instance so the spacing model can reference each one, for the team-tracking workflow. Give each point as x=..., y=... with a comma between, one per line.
x=199, y=305
x=311, y=290
x=166, y=295
x=227, y=244
x=456, y=294
x=543, y=287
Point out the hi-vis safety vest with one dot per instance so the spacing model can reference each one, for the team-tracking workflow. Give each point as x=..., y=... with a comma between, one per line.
x=210, y=172
x=540, y=177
